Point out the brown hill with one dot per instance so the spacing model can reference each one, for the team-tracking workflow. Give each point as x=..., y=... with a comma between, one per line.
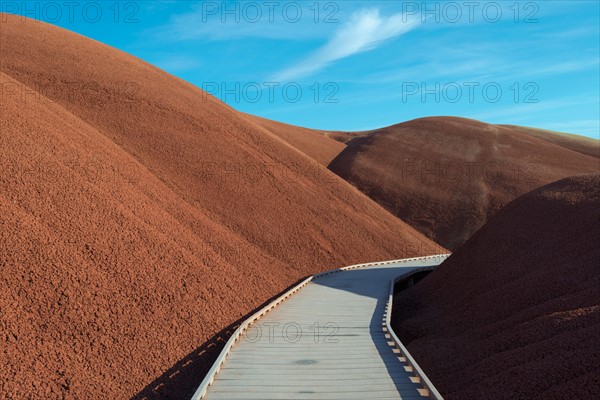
x=581, y=144
x=313, y=143
x=446, y=176
x=140, y=216
x=344, y=136
x=515, y=312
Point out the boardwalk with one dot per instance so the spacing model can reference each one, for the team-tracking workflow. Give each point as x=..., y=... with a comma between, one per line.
x=325, y=342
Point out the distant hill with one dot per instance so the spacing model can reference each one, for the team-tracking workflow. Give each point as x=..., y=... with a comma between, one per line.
x=446, y=176
x=580, y=144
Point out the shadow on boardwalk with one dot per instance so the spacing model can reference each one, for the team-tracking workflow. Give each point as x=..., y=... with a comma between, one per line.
x=375, y=283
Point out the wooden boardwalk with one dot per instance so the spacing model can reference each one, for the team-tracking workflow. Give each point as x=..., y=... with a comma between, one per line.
x=325, y=342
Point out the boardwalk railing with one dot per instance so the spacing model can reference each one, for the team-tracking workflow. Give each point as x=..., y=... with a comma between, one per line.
x=412, y=365
x=235, y=337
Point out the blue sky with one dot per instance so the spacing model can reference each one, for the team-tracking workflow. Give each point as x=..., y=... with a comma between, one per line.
x=356, y=65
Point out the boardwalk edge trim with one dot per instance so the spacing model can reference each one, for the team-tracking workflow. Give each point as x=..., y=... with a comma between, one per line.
x=429, y=389
x=235, y=337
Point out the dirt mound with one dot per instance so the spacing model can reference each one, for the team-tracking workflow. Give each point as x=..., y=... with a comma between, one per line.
x=313, y=143
x=581, y=144
x=140, y=216
x=446, y=176
x=343, y=136
x=514, y=313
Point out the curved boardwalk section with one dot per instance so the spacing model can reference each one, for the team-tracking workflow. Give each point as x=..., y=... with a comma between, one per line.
x=328, y=341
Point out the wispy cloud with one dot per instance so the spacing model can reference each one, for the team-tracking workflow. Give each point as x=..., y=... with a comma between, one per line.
x=365, y=30
x=568, y=66
x=460, y=62
x=571, y=33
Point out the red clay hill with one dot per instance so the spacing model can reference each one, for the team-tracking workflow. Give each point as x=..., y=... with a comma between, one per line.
x=313, y=143
x=514, y=313
x=446, y=176
x=581, y=144
x=140, y=216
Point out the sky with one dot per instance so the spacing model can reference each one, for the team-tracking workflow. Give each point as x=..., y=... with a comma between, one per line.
x=358, y=65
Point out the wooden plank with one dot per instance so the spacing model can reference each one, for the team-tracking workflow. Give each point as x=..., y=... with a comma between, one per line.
x=289, y=353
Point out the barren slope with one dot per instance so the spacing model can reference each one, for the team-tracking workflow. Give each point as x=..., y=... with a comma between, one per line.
x=581, y=144
x=445, y=176
x=515, y=312
x=140, y=216
x=313, y=143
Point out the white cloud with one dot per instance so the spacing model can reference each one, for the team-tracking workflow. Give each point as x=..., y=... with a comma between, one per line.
x=365, y=30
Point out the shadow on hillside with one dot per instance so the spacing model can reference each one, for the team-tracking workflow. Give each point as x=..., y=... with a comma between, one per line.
x=183, y=378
